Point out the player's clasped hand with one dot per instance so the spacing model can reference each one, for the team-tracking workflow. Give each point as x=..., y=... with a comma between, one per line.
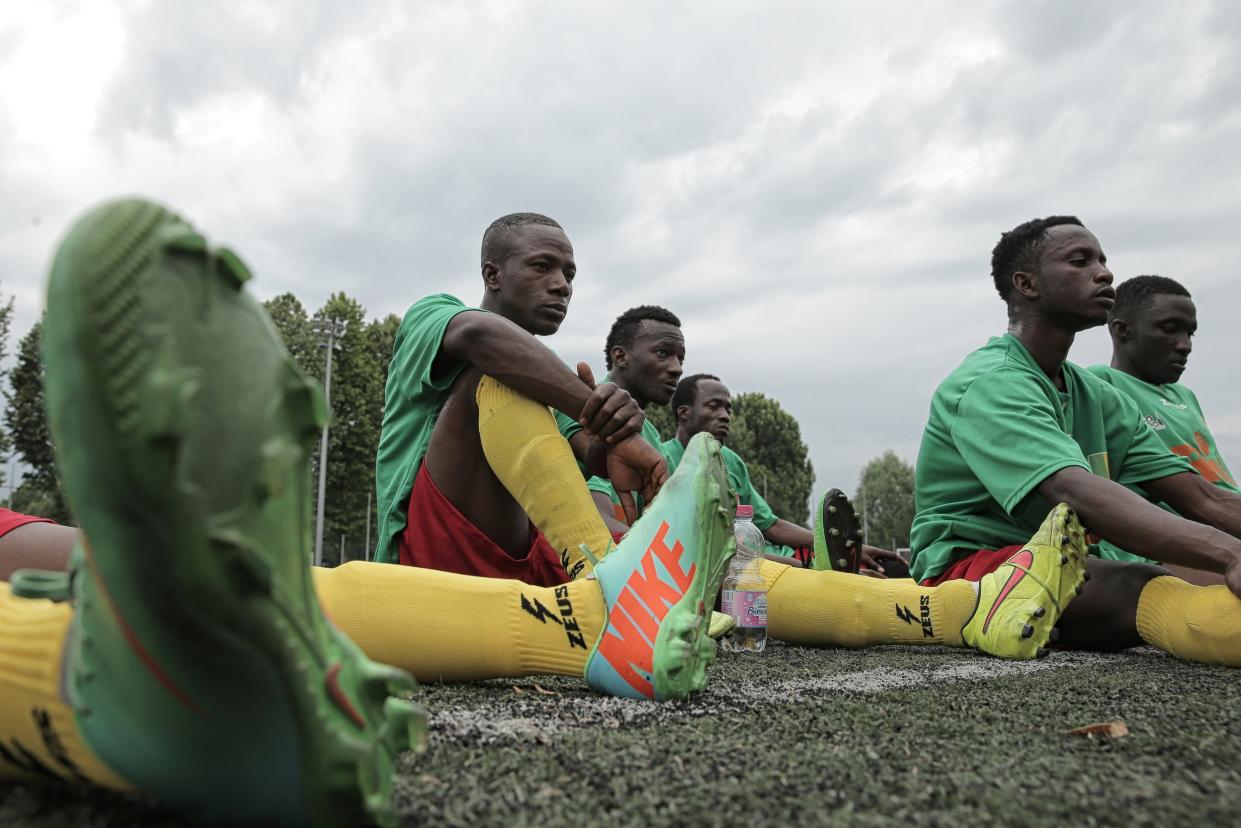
x=609, y=412
x=634, y=465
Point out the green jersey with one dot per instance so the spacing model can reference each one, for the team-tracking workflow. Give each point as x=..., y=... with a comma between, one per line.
x=415, y=392
x=998, y=428
x=1176, y=417
x=413, y=397
x=738, y=477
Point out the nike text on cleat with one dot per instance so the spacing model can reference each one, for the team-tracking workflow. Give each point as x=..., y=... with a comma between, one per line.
x=660, y=583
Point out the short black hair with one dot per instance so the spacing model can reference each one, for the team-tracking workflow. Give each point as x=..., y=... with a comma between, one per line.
x=687, y=390
x=625, y=328
x=1019, y=248
x=496, y=237
x=1136, y=293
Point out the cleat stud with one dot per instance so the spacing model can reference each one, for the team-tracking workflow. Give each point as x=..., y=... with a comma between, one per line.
x=1039, y=612
x=1040, y=652
x=831, y=510
x=1027, y=631
x=833, y=532
x=1064, y=539
x=1077, y=590
x=1085, y=576
x=1064, y=559
x=1054, y=635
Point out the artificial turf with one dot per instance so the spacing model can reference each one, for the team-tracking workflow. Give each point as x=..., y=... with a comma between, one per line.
x=796, y=736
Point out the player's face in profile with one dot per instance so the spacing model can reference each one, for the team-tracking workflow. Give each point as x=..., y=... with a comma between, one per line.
x=536, y=279
x=1161, y=338
x=652, y=365
x=1075, y=284
x=712, y=410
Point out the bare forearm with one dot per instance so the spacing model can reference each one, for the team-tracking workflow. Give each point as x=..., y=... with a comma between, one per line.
x=1195, y=498
x=784, y=533
x=1127, y=520
x=502, y=350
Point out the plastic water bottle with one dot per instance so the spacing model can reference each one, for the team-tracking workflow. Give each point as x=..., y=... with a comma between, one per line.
x=744, y=595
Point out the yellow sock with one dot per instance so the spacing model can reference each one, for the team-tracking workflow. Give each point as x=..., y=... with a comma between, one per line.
x=824, y=608
x=38, y=732
x=1192, y=622
x=536, y=465
x=441, y=626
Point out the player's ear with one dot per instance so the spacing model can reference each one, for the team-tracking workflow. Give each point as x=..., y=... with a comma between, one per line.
x=1120, y=330
x=682, y=413
x=491, y=276
x=1026, y=284
x=620, y=357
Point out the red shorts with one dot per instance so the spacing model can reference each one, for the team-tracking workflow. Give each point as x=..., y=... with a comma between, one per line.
x=974, y=565
x=10, y=520
x=437, y=536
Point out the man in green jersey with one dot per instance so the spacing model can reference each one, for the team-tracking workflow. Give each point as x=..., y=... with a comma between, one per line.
x=643, y=354
x=1152, y=326
x=1017, y=427
x=703, y=403
x=469, y=475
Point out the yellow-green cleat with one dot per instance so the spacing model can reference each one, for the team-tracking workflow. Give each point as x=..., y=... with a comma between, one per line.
x=1020, y=603
x=201, y=668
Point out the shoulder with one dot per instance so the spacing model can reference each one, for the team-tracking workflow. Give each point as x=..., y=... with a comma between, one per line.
x=1106, y=373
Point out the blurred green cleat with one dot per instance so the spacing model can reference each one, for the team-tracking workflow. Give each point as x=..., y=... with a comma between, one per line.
x=201, y=668
x=1020, y=603
x=660, y=583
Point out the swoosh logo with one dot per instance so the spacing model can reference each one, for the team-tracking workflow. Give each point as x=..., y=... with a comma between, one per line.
x=1024, y=558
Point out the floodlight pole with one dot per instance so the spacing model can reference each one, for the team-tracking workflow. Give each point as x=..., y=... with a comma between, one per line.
x=333, y=329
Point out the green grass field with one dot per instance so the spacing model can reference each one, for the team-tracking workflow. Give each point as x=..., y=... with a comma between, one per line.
x=925, y=736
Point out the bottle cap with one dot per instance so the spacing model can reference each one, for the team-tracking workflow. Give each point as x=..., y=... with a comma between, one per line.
x=746, y=512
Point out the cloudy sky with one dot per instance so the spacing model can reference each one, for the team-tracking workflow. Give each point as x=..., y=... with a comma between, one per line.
x=814, y=188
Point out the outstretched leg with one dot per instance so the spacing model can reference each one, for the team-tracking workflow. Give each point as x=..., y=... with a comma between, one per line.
x=637, y=627
x=1011, y=613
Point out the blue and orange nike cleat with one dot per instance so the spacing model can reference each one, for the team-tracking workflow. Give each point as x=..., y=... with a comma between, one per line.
x=660, y=583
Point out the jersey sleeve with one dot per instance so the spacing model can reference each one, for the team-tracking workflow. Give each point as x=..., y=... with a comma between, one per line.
x=1011, y=438
x=414, y=363
x=740, y=478
x=1143, y=456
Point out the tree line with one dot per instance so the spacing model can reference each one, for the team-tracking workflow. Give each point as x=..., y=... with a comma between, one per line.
x=767, y=436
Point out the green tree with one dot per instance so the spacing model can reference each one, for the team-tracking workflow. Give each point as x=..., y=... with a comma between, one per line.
x=39, y=492
x=663, y=419
x=768, y=438
x=291, y=320
x=357, y=411
x=885, y=500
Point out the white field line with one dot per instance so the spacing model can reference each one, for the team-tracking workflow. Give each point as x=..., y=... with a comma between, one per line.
x=541, y=718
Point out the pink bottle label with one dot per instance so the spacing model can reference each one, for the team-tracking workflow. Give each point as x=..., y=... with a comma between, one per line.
x=748, y=607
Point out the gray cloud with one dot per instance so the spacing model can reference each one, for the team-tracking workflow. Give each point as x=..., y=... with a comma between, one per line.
x=814, y=189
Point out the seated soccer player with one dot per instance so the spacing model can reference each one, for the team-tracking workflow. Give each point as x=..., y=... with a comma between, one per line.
x=193, y=662
x=645, y=350
x=471, y=465
x=1018, y=427
x=1152, y=326
x=703, y=403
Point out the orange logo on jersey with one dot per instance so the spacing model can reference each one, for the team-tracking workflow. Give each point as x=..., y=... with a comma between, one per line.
x=1199, y=457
